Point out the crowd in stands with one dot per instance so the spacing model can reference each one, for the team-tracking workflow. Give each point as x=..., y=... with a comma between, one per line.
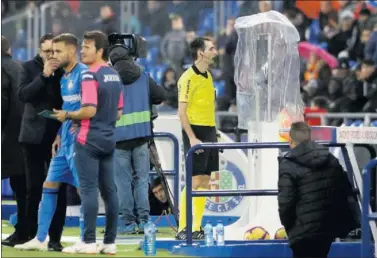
x=346, y=31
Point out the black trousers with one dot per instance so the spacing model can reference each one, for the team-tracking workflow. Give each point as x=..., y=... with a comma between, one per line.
x=37, y=159
x=316, y=247
x=18, y=185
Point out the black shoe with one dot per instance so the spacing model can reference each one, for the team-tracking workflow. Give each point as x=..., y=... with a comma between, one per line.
x=14, y=239
x=198, y=235
x=182, y=235
x=55, y=246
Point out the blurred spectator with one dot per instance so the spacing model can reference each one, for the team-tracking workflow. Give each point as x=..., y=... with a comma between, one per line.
x=155, y=11
x=369, y=76
x=370, y=51
x=318, y=105
x=298, y=19
x=342, y=70
x=57, y=27
x=174, y=46
x=347, y=37
x=158, y=200
x=326, y=11
x=107, y=21
x=169, y=83
x=264, y=6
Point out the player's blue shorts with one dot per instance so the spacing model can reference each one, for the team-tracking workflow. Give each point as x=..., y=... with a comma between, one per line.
x=62, y=167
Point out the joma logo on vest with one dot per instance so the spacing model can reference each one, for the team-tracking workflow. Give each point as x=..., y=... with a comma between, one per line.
x=111, y=78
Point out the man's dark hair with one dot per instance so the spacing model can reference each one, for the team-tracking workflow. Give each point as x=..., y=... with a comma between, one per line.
x=365, y=11
x=300, y=132
x=369, y=62
x=156, y=182
x=4, y=45
x=321, y=102
x=100, y=41
x=196, y=44
x=67, y=38
x=45, y=37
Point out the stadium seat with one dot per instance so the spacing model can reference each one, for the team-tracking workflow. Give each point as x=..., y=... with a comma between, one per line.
x=220, y=88
x=314, y=31
x=152, y=56
x=20, y=54
x=6, y=190
x=374, y=123
x=157, y=72
x=357, y=123
x=153, y=41
x=206, y=20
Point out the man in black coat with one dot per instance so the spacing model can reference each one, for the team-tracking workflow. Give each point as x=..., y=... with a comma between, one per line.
x=40, y=90
x=12, y=163
x=313, y=195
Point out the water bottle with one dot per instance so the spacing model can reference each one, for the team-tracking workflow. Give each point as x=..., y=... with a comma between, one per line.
x=149, y=238
x=208, y=234
x=220, y=233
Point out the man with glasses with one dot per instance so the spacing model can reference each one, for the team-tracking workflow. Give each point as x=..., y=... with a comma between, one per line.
x=39, y=90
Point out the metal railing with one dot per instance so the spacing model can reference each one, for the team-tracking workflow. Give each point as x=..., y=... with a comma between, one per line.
x=189, y=169
x=367, y=117
x=175, y=171
x=367, y=217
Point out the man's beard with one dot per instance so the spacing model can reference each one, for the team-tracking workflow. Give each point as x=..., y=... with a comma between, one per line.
x=64, y=64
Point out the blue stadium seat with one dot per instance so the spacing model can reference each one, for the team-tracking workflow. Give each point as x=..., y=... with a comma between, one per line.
x=206, y=20
x=157, y=72
x=20, y=54
x=220, y=88
x=152, y=56
x=374, y=123
x=358, y=123
x=153, y=41
x=6, y=190
x=314, y=32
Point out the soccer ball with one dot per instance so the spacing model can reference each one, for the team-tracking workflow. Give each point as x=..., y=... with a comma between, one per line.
x=256, y=233
x=285, y=121
x=281, y=234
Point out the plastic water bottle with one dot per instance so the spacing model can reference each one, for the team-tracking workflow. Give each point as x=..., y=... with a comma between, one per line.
x=220, y=233
x=149, y=238
x=208, y=234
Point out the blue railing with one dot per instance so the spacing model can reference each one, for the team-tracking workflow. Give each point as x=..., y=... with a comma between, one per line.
x=175, y=171
x=366, y=216
x=248, y=145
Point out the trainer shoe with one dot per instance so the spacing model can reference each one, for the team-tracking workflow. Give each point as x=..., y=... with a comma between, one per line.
x=182, y=235
x=198, y=235
x=127, y=229
x=110, y=249
x=34, y=245
x=81, y=248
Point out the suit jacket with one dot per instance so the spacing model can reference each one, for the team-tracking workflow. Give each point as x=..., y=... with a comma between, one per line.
x=38, y=93
x=11, y=112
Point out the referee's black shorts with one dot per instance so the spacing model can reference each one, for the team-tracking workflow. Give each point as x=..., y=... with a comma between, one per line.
x=208, y=161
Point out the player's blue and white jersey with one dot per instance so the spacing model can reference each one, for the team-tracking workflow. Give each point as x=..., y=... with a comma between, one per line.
x=70, y=88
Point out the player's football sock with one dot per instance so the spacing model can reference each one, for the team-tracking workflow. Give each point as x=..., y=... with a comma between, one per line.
x=46, y=212
x=182, y=210
x=81, y=224
x=199, y=203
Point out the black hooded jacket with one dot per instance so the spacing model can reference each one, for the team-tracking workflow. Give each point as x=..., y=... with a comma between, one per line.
x=313, y=194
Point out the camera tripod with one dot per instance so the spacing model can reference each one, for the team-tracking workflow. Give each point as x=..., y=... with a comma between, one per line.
x=157, y=165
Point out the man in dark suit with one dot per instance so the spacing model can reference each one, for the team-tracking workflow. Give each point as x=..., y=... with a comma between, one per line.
x=313, y=196
x=40, y=90
x=12, y=164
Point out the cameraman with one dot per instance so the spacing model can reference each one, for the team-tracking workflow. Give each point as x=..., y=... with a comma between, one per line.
x=133, y=132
